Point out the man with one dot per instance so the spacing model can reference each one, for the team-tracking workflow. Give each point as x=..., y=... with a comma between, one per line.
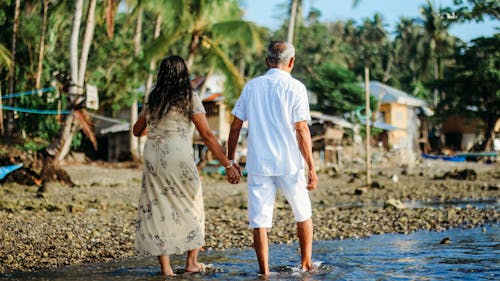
x=277, y=110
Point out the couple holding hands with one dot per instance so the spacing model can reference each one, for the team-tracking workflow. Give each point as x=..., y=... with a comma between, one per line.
x=170, y=212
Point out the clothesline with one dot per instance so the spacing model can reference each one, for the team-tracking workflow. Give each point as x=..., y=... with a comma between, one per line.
x=26, y=93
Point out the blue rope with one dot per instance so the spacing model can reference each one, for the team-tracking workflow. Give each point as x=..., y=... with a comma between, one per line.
x=36, y=111
x=25, y=93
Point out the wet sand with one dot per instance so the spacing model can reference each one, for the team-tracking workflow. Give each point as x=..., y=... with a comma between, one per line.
x=94, y=221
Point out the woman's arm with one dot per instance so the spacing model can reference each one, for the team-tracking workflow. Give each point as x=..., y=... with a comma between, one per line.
x=140, y=125
x=232, y=169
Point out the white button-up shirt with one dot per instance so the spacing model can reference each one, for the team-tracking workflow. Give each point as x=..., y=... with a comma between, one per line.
x=272, y=104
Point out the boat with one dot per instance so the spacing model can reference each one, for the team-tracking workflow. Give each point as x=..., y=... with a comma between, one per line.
x=452, y=158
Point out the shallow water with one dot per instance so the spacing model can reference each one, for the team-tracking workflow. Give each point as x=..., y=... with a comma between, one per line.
x=473, y=254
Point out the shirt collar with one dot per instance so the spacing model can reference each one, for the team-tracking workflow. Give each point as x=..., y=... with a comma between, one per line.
x=272, y=71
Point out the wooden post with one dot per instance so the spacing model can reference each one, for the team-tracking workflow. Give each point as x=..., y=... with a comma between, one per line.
x=368, y=120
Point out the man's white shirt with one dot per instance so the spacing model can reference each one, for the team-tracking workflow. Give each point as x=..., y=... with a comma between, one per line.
x=272, y=104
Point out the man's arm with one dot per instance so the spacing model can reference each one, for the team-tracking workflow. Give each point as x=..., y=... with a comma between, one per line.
x=305, y=146
x=234, y=134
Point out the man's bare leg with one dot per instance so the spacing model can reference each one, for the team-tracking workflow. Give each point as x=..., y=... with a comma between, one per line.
x=305, y=233
x=192, y=264
x=261, y=246
x=166, y=270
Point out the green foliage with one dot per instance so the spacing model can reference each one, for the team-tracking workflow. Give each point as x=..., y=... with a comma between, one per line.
x=474, y=80
x=330, y=56
x=337, y=90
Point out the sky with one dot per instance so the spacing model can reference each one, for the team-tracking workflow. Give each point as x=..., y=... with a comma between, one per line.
x=269, y=14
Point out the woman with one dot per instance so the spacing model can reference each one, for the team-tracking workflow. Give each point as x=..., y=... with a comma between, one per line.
x=170, y=212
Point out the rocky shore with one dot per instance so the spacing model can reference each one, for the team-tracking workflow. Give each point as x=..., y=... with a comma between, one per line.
x=94, y=221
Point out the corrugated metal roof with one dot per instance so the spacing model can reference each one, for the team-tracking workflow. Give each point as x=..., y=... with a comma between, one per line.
x=334, y=119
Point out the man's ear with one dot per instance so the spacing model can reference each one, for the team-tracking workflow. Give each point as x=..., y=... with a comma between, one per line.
x=268, y=63
x=290, y=63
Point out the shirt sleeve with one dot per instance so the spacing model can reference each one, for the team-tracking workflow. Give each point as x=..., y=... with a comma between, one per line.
x=301, y=107
x=197, y=105
x=240, y=108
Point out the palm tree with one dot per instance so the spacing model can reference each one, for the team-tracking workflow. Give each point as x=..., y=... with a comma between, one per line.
x=12, y=81
x=41, y=53
x=437, y=41
x=291, y=24
x=205, y=25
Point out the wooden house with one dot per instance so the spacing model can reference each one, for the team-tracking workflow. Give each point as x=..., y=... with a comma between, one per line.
x=403, y=118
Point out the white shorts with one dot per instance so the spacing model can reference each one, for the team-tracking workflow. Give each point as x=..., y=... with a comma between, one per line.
x=262, y=194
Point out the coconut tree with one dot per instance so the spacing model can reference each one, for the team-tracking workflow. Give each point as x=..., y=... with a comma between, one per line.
x=41, y=53
x=77, y=119
x=205, y=26
x=12, y=81
x=438, y=42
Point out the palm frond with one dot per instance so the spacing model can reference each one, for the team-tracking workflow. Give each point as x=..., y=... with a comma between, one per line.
x=159, y=47
x=241, y=31
x=228, y=65
x=5, y=57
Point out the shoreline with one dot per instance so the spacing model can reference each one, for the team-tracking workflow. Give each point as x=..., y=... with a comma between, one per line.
x=94, y=222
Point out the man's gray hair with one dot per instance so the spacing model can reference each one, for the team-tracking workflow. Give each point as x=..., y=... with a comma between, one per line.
x=280, y=52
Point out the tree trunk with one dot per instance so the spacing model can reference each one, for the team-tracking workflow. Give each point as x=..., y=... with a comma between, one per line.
x=489, y=133
x=195, y=41
x=12, y=82
x=87, y=41
x=149, y=80
x=291, y=24
x=1, y=112
x=75, y=32
x=70, y=128
x=41, y=55
x=152, y=63
x=134, y=111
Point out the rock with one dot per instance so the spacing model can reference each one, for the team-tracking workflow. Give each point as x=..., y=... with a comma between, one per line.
x=446, y=240
x=394, y=178
x=394, y=203
x=359, y=191
x=376, y=184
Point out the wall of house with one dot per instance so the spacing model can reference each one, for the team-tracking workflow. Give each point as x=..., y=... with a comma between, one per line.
x=395, y=114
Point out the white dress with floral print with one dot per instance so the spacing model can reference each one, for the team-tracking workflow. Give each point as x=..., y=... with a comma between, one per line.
x=170, y=216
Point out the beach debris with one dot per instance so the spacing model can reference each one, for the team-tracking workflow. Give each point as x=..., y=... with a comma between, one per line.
x=465, y=174
x=394, y=178
x=446, y=240
x=394, y=203
x=5, y=170
x=359, y=191
x=492, y=187
x=376, y=184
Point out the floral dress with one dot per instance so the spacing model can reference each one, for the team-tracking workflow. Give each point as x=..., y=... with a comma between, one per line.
x=170, y=215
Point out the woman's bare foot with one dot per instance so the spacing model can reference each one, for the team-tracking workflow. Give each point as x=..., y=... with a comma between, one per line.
x=196, y=267
x=169, y=272
x=166, y=269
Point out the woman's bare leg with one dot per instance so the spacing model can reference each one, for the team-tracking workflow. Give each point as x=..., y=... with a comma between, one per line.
x=192, y=264
x=166, y=270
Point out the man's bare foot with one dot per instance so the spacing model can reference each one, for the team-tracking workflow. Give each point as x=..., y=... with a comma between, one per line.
x=307, y=267
x=195, y=268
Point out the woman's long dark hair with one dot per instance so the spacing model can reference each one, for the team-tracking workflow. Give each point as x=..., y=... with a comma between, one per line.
x=172, y=89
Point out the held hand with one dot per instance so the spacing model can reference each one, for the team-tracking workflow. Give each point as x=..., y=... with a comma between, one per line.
x=312, y=180
x=233, y=174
